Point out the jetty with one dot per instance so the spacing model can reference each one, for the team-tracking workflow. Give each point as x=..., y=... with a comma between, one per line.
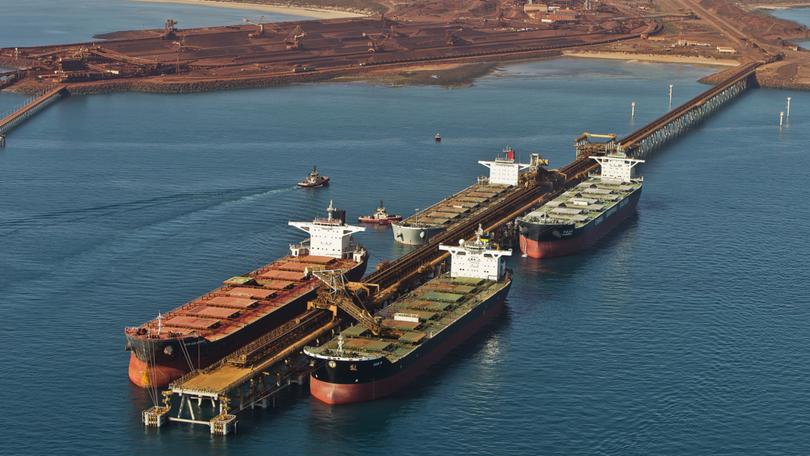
x=253, y=376
x=36, y=104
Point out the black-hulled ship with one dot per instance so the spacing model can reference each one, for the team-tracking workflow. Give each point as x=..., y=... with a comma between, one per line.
x=245, y=307
x=581, y=216
x=417, y=330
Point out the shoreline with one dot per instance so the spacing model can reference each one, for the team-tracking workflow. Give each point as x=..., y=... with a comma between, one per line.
x=627, y=56
x=777, y=6
x=451, y=74
x=314, y=13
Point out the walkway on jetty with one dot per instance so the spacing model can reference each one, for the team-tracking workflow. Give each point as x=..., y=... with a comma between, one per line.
x=247, y=378
x=35, y=105
x=677, y=121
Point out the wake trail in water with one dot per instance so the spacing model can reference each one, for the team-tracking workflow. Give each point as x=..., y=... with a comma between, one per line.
x=109, y=210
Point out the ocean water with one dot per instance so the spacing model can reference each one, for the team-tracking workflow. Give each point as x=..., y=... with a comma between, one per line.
x=39, y=22
x=683, y=332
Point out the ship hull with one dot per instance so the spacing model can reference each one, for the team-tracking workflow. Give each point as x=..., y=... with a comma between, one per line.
x=547, y=241
x=358, y=381
x=325, y=183
x=411, y=235
x=158, y=362
x=378, y=221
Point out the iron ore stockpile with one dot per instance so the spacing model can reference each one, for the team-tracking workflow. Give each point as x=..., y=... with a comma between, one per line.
x=175, y=60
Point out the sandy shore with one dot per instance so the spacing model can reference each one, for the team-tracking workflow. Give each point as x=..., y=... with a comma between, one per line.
x=652, y=58
x=777, y=6
x=316, y=13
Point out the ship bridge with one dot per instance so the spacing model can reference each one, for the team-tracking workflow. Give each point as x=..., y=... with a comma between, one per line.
x=505, y=170
x=329, y=237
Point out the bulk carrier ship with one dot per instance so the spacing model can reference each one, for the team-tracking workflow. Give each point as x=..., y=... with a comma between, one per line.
x=578, y=218
x=246, y=307
x=415, y=331
x=504, y=172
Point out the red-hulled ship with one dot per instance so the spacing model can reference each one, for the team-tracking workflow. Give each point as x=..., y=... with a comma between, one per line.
x=578, y=218
x=414, y=332
x=379, y=217
x=246, y=307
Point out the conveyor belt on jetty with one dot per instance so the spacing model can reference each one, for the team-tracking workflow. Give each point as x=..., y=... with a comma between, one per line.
x=515, y=203
x=252, y=375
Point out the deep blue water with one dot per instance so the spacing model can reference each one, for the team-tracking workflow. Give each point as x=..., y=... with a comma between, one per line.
x=684, y=332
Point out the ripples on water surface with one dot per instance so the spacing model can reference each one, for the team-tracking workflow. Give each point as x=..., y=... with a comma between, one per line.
x=683, y=333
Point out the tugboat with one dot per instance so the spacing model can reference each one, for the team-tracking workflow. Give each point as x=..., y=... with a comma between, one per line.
x=380, y=217
x=314, y=179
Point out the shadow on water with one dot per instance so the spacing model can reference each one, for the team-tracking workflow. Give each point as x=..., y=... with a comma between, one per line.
x=258, y=419
x=249, y=421
x=568, y=266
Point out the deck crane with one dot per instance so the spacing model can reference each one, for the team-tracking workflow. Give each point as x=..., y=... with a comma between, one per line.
x=295, y=39
x=259, y=27
x=348, y=297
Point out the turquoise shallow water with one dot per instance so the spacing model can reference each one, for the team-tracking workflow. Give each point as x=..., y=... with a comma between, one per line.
x=684, y=332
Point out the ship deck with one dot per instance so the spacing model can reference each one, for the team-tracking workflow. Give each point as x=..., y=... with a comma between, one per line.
x=428, y=310
x=242, y=300
x=458, y=206
x=584, y=202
